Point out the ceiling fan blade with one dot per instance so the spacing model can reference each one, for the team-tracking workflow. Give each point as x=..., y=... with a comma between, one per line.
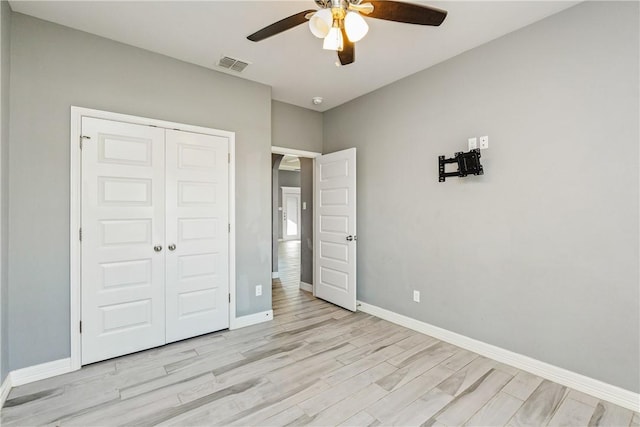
x=407, y=12
x=348, y=53
x=280, y=26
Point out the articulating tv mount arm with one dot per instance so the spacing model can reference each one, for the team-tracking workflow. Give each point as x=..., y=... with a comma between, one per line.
x=468, y=164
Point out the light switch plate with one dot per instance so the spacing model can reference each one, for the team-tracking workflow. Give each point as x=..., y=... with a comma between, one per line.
x=484, y=142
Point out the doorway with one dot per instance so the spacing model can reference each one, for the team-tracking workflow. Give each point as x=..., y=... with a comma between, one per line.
x=323, y=261
x=292, y=224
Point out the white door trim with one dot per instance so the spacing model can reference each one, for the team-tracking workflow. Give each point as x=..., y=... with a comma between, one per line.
x=75, y=250
x=294, y=152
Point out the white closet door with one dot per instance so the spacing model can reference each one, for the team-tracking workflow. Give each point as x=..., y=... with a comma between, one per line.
x=197, y=260
x=123, y=291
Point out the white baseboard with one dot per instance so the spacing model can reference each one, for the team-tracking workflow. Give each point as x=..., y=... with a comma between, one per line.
x=5, y=388
x=40, y=372
x=306, y=287
x=275, y=274
x=597, y=388
x=252, y=319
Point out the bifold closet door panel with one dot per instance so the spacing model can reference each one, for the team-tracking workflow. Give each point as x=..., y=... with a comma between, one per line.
x=197, y=236
x=123, y=219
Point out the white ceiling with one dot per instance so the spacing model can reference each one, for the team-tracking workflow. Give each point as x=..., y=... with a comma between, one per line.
x=293, y=62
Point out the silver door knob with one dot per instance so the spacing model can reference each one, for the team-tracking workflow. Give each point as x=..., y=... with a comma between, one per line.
x=157, y=248
x=349, y=238
x=172, y=247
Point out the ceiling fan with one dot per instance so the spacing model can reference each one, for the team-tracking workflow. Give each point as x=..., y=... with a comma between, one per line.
x=340, y=23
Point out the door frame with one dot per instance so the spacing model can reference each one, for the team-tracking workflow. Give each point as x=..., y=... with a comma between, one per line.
x=310, y=155
x=75, y=248
x=291, y=190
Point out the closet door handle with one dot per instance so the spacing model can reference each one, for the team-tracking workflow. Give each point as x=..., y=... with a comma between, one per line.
x=157, y=248
x=172, y=247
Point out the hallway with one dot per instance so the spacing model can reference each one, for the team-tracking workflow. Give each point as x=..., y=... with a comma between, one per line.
x=288, y=283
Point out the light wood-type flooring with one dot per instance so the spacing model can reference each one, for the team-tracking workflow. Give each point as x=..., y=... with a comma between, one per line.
x=314, y=364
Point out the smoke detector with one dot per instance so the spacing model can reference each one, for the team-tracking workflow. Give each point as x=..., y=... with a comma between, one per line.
x=317, y=100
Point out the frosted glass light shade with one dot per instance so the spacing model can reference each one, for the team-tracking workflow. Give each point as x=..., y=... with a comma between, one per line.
x=320, y=23
x=333, y=41
x=355, y=26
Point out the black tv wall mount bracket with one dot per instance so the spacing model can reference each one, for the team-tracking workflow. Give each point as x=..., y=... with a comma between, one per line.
x=468, y=164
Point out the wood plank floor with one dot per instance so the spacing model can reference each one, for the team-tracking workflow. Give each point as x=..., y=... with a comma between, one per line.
x=314, y=364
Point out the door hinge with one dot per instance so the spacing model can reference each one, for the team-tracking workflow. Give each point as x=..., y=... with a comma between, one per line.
x=229, y=298
x=81, y=326
x=229, y=228
x=83, y=137
x=229, y=157
x=80, y=234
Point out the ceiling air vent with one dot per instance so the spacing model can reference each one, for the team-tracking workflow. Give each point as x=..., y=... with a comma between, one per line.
x=232, y=64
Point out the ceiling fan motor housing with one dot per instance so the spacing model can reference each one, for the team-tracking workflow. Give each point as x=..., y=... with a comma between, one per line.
x=329, y=3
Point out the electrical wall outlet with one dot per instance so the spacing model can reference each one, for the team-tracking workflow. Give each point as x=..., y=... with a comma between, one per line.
x=484, y=142
x=416, y=296
x=473, y=143
x=258, y=290
x=304, y=206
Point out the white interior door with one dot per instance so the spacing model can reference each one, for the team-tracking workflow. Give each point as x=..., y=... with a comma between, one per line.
x=290, y=213
x=335, y=228
x=155, y=238
x=123, y=291
x=197, y=260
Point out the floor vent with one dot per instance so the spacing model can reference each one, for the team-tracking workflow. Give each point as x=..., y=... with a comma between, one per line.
x=232, y=64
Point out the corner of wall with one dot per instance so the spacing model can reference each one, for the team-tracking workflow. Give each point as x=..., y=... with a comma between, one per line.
x=5, y=66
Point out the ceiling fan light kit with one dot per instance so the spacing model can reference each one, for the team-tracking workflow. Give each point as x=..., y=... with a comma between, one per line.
x=320, y=23
x=334, y=40
x=340, y=23
x=355, y=26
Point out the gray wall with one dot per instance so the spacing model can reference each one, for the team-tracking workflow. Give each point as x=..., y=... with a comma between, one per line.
x=5, y=35
x=300, y=129
x=296, y=127
x=306, y=235
x=285, y=179
x=539, y=255
x=53, y=68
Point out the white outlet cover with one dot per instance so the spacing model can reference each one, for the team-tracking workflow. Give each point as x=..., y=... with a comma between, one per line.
x=484, y=142
x=258, y=290
x=416, y=296
x=473, y=143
